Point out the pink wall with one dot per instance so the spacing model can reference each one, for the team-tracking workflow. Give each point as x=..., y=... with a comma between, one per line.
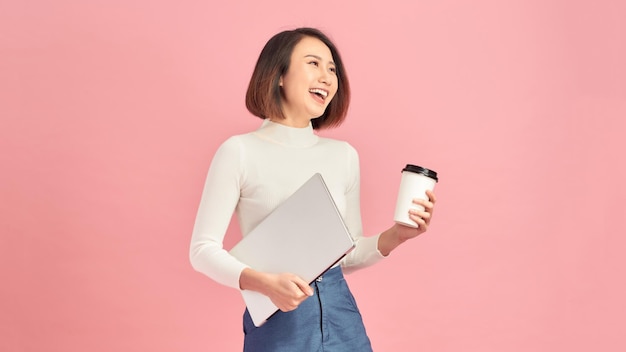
x=111, y=111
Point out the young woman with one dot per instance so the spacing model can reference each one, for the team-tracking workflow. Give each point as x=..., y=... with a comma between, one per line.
x=299, y=84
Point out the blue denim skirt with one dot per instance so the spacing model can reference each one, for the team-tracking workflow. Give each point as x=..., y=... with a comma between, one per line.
x=328, y=321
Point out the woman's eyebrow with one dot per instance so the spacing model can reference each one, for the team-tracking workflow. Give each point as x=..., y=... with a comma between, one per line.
x=319, y=58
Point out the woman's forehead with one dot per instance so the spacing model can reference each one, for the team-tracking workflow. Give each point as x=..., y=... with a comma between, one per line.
x=310, y=46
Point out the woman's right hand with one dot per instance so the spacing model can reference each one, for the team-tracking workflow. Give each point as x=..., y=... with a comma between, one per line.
x=285, y=290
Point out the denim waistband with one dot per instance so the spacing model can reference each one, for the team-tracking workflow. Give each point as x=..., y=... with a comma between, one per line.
x=333, y=274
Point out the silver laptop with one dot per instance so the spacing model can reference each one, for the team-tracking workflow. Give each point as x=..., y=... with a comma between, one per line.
x=305, y=235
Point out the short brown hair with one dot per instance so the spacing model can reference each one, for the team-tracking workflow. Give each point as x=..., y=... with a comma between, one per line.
x=263, y=98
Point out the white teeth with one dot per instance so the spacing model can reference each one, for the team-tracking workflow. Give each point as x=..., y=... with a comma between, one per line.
x=319, y=91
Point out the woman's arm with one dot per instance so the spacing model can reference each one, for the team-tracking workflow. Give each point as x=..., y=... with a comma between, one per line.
x=220, y=196
x=207, y=254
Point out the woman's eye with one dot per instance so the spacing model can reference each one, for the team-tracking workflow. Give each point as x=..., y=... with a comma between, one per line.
x=333, y=70
x=314, y=63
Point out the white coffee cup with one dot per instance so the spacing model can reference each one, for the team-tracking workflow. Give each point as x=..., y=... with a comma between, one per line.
x=415, y=181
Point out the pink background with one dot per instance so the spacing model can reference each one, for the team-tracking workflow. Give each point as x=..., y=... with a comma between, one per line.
x=111, y=111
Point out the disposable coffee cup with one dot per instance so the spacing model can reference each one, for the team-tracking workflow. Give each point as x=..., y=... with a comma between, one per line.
x=415, y=181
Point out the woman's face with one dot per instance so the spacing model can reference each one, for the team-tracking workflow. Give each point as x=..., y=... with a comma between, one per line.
x=310, y=83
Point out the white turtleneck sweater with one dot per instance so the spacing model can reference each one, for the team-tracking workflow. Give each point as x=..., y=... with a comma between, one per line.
x=251, y=174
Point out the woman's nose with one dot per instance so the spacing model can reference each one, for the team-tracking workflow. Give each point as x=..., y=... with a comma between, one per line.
x=325, y=77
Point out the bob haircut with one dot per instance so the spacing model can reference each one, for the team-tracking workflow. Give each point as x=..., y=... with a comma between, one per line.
x=264, y=97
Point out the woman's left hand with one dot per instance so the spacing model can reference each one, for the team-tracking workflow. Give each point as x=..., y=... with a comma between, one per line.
x=422, y=218
x=398, y=234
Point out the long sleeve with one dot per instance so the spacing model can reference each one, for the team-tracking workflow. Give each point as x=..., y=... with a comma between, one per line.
x=366, y=252
x=219, y=200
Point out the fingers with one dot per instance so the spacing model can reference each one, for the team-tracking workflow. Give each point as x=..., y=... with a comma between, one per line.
x=303, y=286
x=428, y=204
x=431, y=196
x=423, y=217
x=291, y=292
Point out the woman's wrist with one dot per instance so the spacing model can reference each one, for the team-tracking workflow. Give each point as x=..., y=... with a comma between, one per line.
x=389, y=240
x=253, y=280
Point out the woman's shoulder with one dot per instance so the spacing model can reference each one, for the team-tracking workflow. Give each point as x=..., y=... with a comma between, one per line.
x=237, y=140
x=232, y=146
x=340, y=148
x=338, y=143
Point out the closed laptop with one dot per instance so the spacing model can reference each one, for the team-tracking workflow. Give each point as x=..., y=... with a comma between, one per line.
x=305, y=235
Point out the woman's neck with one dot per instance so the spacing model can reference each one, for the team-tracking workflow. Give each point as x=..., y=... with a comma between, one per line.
x=291, y=122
